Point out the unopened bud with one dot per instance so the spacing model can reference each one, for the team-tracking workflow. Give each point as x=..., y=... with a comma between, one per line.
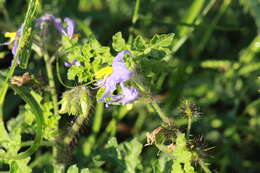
x=76, y=101
x=189, y=109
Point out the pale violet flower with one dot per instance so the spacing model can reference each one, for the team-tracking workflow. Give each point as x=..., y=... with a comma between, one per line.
x=119, y=75
x=70, y=26
x=13, y=39
x=75, y=62
x=128, y=95
x=69, y=30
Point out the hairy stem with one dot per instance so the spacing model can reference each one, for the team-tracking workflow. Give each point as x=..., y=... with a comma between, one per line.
x=50, y=75
x=74, y=129
x=161, y=114
x=189, y=126
x=204, y=166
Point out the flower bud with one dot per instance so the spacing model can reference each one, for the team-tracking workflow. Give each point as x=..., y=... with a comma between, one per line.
x=189, y=109
x=76, y=101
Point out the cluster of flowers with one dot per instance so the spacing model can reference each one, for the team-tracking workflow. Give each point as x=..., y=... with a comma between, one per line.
x=113, y=76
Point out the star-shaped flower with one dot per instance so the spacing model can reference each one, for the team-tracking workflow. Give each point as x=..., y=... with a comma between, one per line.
x=120, y=74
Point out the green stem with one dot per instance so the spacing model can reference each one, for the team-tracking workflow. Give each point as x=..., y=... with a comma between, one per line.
x=59, y=76
x=43, y=143
x=111, y=128
x=91, y=140
x=189, y=126
x=27, y=97
x=204, y=166
x=74, y=129
x=135, y=15
x=161, y=114
x=98, y=117
x=50, y=75
x=3, y=92
x=140, y=121
x=4, y=88
x=48, y=66
x=156, y=107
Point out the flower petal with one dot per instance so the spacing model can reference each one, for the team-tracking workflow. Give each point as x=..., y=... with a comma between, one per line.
x=130, y=95
x=70, y=26
x=50, y=18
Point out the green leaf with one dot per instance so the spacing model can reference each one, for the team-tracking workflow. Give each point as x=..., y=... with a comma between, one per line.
x=183, y=157
x=73, y=169
x=110, y=154
x=132, y=151
x=118, y=42
x=85, y=170
x=124, y=157
x=25, y=41
x=163, y=165
x=163, y=40
x=79, y=71
x=92, y=57
x=139, y=43
x=19, y=166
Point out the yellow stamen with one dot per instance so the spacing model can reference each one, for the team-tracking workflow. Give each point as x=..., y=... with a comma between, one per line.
x=76, y=35
x=10, y=35
x=106, y=71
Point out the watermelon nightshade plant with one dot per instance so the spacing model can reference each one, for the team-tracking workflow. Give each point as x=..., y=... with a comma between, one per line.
x=89, y=62
x=119, y=74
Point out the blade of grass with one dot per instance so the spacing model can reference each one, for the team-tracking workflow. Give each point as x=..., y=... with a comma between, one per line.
x=194, y=16
x=208, y=32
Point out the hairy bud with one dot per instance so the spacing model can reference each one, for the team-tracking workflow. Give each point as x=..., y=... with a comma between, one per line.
x=76, y=101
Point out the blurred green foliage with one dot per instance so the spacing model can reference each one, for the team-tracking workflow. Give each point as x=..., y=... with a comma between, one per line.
x=212, y=60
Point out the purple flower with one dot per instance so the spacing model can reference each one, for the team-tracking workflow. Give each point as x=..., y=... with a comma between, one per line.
x=70, y=26
x=120, y=75
x=129, y=95
x=58, y=24
x=75, y=62
x=14, y=39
